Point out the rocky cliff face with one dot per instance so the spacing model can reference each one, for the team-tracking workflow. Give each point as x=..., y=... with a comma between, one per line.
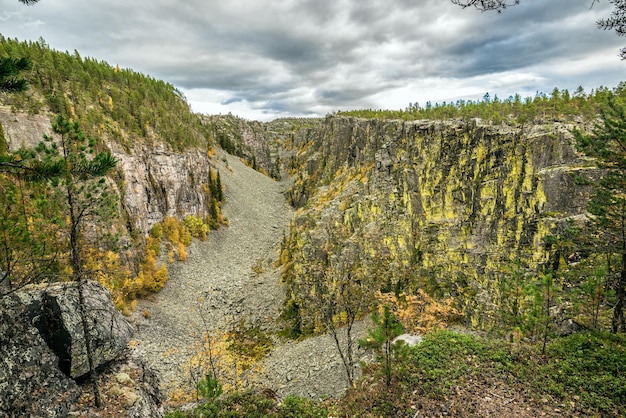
x=158, y=182
x=245, y=139
x=450, y=206
x=155, y=181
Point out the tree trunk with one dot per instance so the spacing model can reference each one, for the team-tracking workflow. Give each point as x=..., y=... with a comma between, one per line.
x=618, y=322
x=78, y=279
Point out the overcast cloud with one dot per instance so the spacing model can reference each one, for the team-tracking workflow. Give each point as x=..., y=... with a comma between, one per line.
x=263, y=59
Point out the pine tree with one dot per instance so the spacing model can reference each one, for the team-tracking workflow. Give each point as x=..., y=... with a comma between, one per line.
x=29, y=225
x=9, y=72
x=27, y=219
x=86, y=198
x=388, y=327
x=607, y=144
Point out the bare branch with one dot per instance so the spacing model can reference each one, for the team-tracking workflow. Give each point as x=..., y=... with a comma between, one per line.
x=486, y=5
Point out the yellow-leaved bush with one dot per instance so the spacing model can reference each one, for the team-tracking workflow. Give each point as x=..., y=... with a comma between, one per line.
x=419, y=312
x=107, y=269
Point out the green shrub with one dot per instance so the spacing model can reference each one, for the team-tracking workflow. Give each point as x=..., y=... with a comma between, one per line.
x=197, y=227
x=209, y=388
x=296, y=407
x=157, y=230
x=588, y=366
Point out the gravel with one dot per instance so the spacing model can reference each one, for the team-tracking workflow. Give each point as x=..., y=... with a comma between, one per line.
x=232, y=271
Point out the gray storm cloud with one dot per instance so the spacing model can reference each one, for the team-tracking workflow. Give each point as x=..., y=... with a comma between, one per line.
x=302, y=56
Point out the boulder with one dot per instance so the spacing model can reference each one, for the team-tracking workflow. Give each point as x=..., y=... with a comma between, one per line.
x=31, y=383
x=146, y=398
x=42, y=346
x=61, y=326
x=408, y=339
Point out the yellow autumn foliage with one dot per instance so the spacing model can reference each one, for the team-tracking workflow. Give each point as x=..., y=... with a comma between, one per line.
x=419, y=313
x=124, y=288
x=182, y=253
x=212, y=355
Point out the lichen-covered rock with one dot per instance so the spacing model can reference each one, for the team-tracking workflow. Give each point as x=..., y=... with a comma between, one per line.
x=129, y=388
x=42, y=353
x=446, y=205
x=61, y=326
x=31, y=383
x=148, y=402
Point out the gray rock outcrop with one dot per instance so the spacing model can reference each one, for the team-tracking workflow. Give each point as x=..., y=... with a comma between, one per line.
x=61, y=326
x=42, y=349
x=410, y=340
x=31, y=383
x=159, y=182
x=156, y=180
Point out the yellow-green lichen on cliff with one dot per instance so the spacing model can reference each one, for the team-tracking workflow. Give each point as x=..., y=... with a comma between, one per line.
x=445, y=206
x=3, y=142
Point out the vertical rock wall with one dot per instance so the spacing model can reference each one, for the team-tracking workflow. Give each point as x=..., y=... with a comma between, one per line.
x=156, y=181
x=449, y=205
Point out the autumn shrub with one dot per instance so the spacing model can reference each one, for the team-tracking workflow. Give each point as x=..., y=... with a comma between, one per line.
x=182, y=253
x=171, y=230
x=151, y=277
x=175, y=234
x=157, y=230
x=249, y=341
x=197, y=227
x=153, y=246
x=214, y=357
x=105, y=268
x=419, y=312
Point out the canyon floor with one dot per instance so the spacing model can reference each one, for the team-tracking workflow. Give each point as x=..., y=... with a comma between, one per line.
x=229, y=277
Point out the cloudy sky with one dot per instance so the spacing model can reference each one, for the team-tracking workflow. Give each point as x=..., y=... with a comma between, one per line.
x=262, y=59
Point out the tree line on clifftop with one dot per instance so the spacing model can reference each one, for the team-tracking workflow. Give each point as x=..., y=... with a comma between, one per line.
x=558, y=106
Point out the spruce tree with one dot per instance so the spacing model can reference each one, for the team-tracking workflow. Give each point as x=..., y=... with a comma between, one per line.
x=218, y=188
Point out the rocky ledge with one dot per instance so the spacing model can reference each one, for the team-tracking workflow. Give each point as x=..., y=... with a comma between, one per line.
x=43, y=355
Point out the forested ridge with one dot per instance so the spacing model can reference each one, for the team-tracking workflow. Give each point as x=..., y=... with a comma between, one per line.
x=117, y=104
x=559, y=105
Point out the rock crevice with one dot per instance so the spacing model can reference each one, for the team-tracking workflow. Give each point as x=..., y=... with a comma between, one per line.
x=42, y=346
